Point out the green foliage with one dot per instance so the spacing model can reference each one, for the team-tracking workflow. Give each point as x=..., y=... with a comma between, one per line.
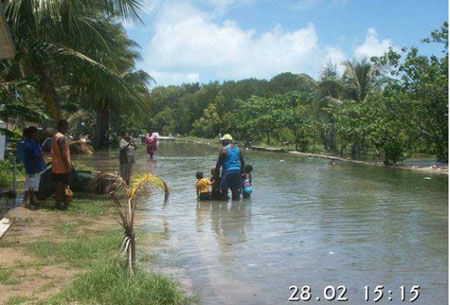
x=69, y=59
x=419, y=94
x=209, y=124
x=109, y=283
x=6, y=172
x=78, y=251
x=394, y=149
x=7, y=277
x=394, y=105
x=82, y=207
x=69, y=56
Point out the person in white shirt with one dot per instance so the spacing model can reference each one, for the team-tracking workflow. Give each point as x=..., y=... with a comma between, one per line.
x=126, y=156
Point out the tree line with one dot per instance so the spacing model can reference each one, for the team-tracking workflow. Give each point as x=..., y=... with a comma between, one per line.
x=74, y=60
x=392, y=106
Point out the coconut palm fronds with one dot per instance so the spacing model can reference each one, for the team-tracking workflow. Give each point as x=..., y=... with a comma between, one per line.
x=140, y=184
x=110, y=181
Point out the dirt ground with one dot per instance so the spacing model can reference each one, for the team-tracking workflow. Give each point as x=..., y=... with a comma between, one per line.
x=35, y=277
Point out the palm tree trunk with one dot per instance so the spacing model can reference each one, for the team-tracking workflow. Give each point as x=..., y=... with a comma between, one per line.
x=49, y=94
x=101, y=127
x=332, y=141
x=325, y=140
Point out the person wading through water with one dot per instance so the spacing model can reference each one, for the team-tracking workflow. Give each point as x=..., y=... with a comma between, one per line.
x=232, y=162
x=126, y=156
x=61, y=164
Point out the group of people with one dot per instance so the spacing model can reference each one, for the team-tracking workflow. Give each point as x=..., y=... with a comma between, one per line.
x=128, y=151
x=32, y=155
x=236, y=176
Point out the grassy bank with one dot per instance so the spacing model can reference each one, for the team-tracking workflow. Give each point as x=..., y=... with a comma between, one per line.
x=72, y=257
x=320, y=153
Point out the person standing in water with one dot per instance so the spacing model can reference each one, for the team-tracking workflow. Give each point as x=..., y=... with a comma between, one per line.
x=151, y=141
x=61, y=164
x=232, y=162
x=126, y=156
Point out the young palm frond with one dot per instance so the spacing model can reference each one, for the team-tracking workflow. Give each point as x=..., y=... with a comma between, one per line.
x=140, y=185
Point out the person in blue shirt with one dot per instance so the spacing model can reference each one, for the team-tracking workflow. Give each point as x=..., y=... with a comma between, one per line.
x=34, y=166
x=232, y=162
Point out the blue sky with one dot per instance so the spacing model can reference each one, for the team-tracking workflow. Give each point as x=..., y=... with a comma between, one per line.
x=195, y=40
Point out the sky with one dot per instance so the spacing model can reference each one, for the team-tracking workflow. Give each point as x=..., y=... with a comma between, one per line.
x=187, y=41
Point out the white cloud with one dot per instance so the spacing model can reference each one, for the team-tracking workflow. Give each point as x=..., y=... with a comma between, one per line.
x=190, y=45
x=336, y=56
x=373, y=46
x=187, y=39
x=150, y=6
x=167, y=78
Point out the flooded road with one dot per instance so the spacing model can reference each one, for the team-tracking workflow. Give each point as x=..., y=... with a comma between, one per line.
x=309, y=222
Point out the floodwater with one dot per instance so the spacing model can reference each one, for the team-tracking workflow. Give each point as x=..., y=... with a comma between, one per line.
x=309, y=222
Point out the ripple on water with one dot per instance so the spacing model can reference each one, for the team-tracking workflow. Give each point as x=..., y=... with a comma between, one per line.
x=308, y=223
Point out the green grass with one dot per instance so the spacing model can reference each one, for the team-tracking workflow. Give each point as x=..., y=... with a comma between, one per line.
x=66, y=228
x=89, y=207
x=37, y=264
x=7, y=244
x=109, y=283
x=7, y=277
x=103, y=278
x=84, y=207
x=146, y=258
x=80, y=250
x=17, y=300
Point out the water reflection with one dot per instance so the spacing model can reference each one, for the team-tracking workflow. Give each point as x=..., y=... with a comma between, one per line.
x=309, y=222
x=229, y=221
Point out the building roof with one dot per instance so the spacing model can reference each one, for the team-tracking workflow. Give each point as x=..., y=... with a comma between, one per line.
x=6, y=43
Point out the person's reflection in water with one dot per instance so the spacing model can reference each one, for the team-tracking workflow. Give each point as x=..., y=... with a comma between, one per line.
x=202, y=209
x=230, y=224
x=150, y=165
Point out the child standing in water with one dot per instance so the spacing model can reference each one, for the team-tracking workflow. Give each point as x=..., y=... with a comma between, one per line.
x=215, y=192
x=202, y=186
x=247, y=181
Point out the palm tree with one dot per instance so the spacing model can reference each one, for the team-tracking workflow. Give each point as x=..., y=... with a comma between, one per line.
x=97, y=95
x=13, y=94
x=52, y=37
x=140, y=185
x=350, y=91
x=359, y=79
x=331, y=89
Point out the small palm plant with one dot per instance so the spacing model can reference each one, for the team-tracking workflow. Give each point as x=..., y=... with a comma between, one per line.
x=140, y=185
